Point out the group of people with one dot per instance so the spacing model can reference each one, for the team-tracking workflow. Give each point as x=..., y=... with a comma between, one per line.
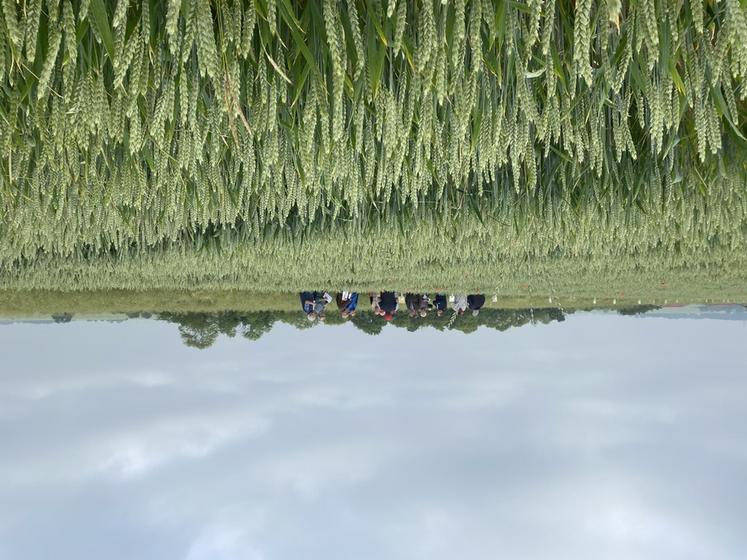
x=386, y=304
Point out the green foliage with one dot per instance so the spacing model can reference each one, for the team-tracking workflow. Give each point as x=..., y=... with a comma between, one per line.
x=201, y=330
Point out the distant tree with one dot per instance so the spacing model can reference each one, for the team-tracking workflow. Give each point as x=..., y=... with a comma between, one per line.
x=198, y=330
x=255, y=325
x=62, y=317
x=139, y=315
x=201, y=330
x=227, y=322
x=547, y=315
x=297, y=319
x=637, y=309
x=368, y=322
x=467, y=323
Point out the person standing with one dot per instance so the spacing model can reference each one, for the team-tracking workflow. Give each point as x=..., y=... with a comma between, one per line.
x=347, y=303
x=320, y=304
x=460, y=303
x=439, y=303
x=413, y=303
x=424, y=304
x=388, y=304
x=375, y=298
x=475, y=303
x=308, y=302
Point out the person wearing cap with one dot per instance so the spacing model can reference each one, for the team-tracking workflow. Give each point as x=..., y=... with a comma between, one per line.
x=475, y=303
x=388, y=304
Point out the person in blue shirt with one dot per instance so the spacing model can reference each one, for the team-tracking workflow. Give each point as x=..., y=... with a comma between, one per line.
x=347, y=303
x=314, y=304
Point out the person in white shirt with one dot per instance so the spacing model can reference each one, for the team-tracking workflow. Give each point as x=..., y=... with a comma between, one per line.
x=460, y=303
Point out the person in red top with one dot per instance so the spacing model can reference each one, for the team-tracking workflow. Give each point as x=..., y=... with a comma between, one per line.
x=388, y=304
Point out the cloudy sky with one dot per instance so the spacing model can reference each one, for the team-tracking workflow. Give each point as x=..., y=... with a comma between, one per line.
x=603, y=437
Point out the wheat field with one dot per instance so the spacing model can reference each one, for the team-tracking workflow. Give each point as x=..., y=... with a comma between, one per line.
x=180, y=143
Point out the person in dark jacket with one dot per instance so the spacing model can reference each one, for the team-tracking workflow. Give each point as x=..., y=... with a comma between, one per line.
x=440, y=304
x=308, y=302
x=475, y=303
x=388, y=304
x=322, y=299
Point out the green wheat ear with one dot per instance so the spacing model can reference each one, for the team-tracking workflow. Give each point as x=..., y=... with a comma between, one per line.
x=127, y=124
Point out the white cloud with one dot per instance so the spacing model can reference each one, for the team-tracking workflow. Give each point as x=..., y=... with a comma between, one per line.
x=534, y=443
x=135, y=452
x=219, y=543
